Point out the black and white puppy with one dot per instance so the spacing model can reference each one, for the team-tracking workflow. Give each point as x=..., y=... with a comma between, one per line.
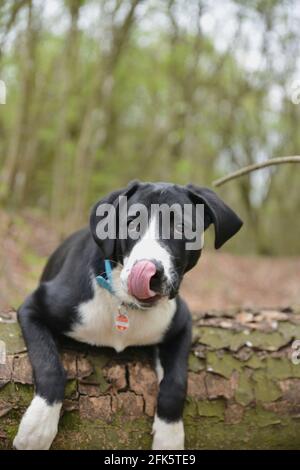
x=146, y=275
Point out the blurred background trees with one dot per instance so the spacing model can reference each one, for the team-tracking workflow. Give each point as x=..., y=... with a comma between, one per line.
x=100, y=92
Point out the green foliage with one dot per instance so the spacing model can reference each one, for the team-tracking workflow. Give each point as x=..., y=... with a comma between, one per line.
x=103, y=99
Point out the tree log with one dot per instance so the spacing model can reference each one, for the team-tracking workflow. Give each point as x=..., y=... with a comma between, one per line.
x=243, y=387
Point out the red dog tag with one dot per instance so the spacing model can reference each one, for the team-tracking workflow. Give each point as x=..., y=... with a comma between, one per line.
x=122, y=321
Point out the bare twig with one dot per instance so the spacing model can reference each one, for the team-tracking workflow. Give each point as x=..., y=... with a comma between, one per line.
x=254, y=167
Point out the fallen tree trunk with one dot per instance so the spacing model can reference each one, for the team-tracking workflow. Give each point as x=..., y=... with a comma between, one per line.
x=243, y=390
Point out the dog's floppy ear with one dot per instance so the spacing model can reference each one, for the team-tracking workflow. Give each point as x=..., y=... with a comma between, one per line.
x=226, y=222
x=108, y=245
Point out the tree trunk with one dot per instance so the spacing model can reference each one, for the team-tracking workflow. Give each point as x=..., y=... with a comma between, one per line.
x=243, y=388
x=12, y=167
x=98, y=126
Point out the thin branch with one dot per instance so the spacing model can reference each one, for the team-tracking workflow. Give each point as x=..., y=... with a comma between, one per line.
x=254, y=167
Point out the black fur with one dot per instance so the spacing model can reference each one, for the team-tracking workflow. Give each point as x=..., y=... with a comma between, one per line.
x=65, y=283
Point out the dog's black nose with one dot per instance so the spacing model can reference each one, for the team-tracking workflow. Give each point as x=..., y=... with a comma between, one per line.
x=158, y=278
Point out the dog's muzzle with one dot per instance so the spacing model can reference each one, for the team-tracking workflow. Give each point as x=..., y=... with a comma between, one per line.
x=139, y=280
x=147, y=281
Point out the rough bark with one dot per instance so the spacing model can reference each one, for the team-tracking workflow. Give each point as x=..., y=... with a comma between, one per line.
x=243, y=389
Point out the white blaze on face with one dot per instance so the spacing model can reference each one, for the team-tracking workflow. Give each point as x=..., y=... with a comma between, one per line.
x=148, y=248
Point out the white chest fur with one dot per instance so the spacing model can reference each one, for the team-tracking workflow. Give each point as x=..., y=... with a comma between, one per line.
x=97, y=322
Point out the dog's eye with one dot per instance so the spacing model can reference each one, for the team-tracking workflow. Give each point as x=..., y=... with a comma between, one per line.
x=132, y=224
x=179, y=229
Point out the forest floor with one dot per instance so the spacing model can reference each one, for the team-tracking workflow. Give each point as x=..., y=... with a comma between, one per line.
x=220, y=280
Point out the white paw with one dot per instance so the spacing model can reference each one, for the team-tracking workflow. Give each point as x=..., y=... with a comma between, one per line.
x=38, y=426
x=167, y=436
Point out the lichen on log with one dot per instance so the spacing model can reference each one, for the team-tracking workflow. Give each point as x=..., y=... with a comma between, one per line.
x=243, y=387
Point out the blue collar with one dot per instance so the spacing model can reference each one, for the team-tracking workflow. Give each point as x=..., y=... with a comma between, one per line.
x=106, y=283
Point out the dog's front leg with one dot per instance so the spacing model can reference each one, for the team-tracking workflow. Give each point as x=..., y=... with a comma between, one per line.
x=39, y=424
x=172, y=362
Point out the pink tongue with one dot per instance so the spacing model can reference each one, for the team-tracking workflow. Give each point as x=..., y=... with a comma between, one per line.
x=139, y=280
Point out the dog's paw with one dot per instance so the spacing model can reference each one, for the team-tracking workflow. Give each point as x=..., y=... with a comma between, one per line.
x=38, y=426
x=167, y=436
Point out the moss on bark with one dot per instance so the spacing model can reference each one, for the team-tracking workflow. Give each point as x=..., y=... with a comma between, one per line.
x=243, y=389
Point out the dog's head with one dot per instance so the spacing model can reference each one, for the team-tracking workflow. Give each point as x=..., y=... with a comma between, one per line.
x=154, y=234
